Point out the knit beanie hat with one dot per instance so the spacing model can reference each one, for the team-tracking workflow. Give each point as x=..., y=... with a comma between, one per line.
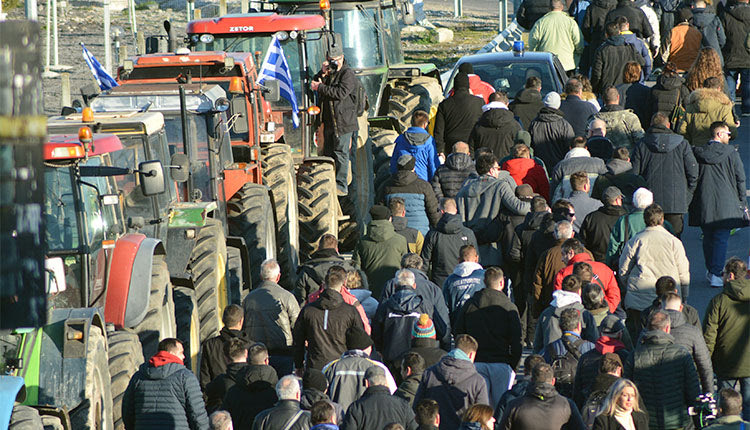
x=314, y=378
x=461, y=81
x=423, y=328
x=357, y=338
x=552, y=99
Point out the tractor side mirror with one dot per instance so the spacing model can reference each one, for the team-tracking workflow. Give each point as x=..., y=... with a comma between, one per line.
x=271, y=92
x=407, y=12
x=151, y=175
x=179, y=167
x=239, y=107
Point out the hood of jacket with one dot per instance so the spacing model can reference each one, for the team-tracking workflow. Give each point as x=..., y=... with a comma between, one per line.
x=459, y=161
x=361, y=294
x=478, y=186
x=257, y=377
x=661, y=139
x=416, y=136
x=603, y=381
x=543, y=392
x=630, y=38
x=613, y=210
x=466, y=268
x=399, y=222
x=329, y=299
x=406, y=299
x=496, y=118
x=738, y=289
x=656, y=337
x=713, y=152
x=528, y=96
x=676, y=318
x=380, y=230
x=161, y=372
x=562, y=298
x=606, y=344
x=454, y=370
x=534, y=220
x=549, y=114
x=235, y=370
x=702, y=16
x=669, y=82
x=618, y=40
x=310, y=396
x=325, y=253
x=611, y=108
x=707, y=100
x=616, y=166
x=578, y=258
x=404, y=177
x=449, y=224
x=577, y=153
x=739, y=11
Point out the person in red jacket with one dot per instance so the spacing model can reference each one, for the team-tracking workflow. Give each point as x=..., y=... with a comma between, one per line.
x=573, y=252
x=525, y=170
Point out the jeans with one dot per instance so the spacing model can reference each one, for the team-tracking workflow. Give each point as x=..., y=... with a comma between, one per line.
x=744, y=75
x=338, y=149
x=742, y=385
x=715, y=242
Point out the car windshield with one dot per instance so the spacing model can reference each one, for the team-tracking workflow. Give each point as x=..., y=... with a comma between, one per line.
x=360, y=36
x=511, y=76
x=59, y=210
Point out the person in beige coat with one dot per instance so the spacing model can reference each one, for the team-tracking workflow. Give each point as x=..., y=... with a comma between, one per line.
x=705, y=106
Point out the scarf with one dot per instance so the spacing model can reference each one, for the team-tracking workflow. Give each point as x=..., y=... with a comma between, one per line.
x=459, y=355
x=494, y=105
x=625, y=418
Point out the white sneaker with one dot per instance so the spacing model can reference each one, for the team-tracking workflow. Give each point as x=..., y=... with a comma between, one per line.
x=716, y=281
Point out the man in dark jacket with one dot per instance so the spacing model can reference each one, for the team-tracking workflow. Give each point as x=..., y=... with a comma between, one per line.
x=499, y=342
x=520, y=387
x=314, y=388
x=569, y=297
x=214, y=359
x=568, y=348
x=253, y=390
x=710, y=26
x=454, y=383
x=379, y=252
x=442, y=244
x=412, y=367
x=336, y=85
x=665, y=161
x=530, y=11
x=528, y=102
x=542, y=407
x=216, y=390
x=610, y=58
x=636, y=17
x=311, y=274
x=550, y=132
x=577, y=159
x=377, y=407
x=575, y=110
x=417, y=142
x=419, y=198
x=449, y=177
x=664, y=285
x=665, y=375
x=414, y=238
x=456, y=115
x=496, y=129
x=322, y=324
x=287, y=412
x=619, y=174
x=163, y=393
x=597, y=226
x=594, y=21
x=736, y=20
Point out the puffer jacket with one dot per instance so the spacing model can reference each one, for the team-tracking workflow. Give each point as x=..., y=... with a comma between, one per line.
x=338, y=94
x=311, y=275
x=526, y=106
x=419, y=199
x=609, y=61
x=164, y=396
x=619, y=174
x=551, y=135
x=638, y=22
x=548, y=327
x=455, y=385
x=541, y=408
x=528, y=171
x=576, y=160
x=691, y=338
x=665, y=161
x=721, y=183
x=467, y=278
x=455, y=119
x=271, y=313
x=282, y=413
x=346, y=377
x=668, y=91
x=496, y=130
x=603, y=275
x=449, y=177
x=376, y=409
x=323, y=325
x=597, y=227
x=442, y=245
x=711, y=28
x=394, y=320
x=530, y=11
x=736, y=20
x=637, y=98
x=254, y=391
x=705, y=106
x=623, y=126
x=219, y=386
x=418, y=143
x=379, y=254
x=213, y=358
x=726, y=328
x=666, y=379
x=649, y=255
x=414, y=238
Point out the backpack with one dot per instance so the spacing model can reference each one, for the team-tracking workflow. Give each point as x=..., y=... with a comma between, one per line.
x=678, y=113
x=591, y=408
x=360, y=99
x=564, y=365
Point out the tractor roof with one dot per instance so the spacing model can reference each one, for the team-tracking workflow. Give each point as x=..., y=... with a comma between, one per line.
x=200, y=57
x=256, y=23
x=68, y=146
x=131, y=121
x=159, y=97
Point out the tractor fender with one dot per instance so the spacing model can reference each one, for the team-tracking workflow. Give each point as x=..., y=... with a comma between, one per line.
x=129, y=280
x=328, y=160
x=10, y=386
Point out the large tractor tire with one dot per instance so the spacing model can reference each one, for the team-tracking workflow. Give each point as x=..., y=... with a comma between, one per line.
x=402, y=104
x=250, y=215
x=96, y=410
x=159, y=322
x=208, y=266
x=25, y=418
x=382, y=149
x=125, y=358
x=318, y=204
x=188, y=325
x=278, y=175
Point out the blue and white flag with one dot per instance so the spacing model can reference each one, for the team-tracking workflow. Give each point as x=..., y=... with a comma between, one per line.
x=275, y=67
x=103, y=78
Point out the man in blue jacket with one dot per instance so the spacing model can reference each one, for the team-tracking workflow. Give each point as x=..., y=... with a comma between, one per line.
x=417, y=142
x=638, y=44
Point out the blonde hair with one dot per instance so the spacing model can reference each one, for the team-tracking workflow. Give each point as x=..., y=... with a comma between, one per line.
x=610, y=402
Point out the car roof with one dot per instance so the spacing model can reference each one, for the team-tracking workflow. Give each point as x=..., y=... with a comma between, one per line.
x=502, y=56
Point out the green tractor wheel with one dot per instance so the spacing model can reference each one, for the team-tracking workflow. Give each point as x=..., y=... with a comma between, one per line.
x=208, y=266
x=96, y=410
x=318, y=204
x=125, y=357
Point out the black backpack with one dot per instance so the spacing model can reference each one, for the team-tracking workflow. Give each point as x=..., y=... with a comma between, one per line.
x=591, y=408
x=564, y=365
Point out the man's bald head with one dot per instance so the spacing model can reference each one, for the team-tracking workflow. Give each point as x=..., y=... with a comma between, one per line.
x=461, y=148
x=597, y=127
x=448, y=205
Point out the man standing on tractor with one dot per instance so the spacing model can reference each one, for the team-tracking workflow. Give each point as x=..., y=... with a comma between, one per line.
x=337, y=87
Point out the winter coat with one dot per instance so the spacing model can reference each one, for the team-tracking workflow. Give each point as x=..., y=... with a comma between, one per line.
x=665, y=161
x=467, y=278
x=516, y=391
x=596, y=228
x=609, y=422
x=520, y=249
x=481, y=199
x=450, y=176
x=419, y=199
x=368, y=303
x=455, y=385
x=346, y=377
x=278, y=416
x=338, y=100
x=551, y=135
x=593, y=25
x=166, y=396
x=610, y=59
x=408, y=388
x=528, y=171
x=548, y=326
x=418, y=143
x=376, y=409
x=728, y=422
x=496, y=130
x=689, y=312
x=684, y=44
x=577, y=112
x=642, y=49
x=323, y=325
x=583, y=205
x=726, y=329
x=455, y=119
x=705, y=106
x=711, y=28
x=736, y=20
x=499, y=342
x=541, y=408
x=219, y=386
x=558, y=33
x=526, y=105
x=253, y=392
x=625, y=228
x=558, y=348
x=442, y=246
x=213, y=358
x=379, y=254
x=310, y=396
x=547, y=266
x=576, y=160
x=720, y=194
x=350, y=298
x=414, y=237
x=619, y=174
x=429, y=350
x=587, y=371
x=394, y=320
x=623, y=126
x=638, y=22
x=637, y=98
x=666, y=379
x=649, y=255
x=666, y=93
x=311, y=275
x=271, y=312
x=530, y=11
x=691, y=337
x=603, y=276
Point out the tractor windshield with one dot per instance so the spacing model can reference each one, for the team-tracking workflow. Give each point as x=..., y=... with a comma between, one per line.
x=59, y=210
x=136, y=204
x=360, y=35
x=392, y=36
x=199, y=164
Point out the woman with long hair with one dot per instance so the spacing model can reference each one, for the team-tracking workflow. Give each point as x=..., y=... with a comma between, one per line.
x=478, y=417
x=669, y=90
x=707, y=65
x=621, y=409
x=634, y=95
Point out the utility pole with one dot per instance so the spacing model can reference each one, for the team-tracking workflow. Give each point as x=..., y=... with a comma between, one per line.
x=31, y=13
x=107, y=42
x=503, y=4
x=458, y=8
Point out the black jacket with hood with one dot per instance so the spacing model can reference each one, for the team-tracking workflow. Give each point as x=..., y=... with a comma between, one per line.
x=665, y=161
x=218, y=388
x=338, y=100
x=736, y=20
x=636, y=17
x=394, y=320
x=213, y=358
x=254, y=391
x=530, y=11
x=711, y=28
x=594, y=22
x=526, y=106
x=449, y=177
x=596, y=228
x=619, y=174
x=376, y=409
x=610, y=59
x=455, y=118
x=666, y=93
x=542, y=408
x=311, y=274
x=442, y=245
x=551, y=135
x=495, y=130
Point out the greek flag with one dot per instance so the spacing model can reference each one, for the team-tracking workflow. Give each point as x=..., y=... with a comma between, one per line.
x=275, y=67
x=103, y=78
